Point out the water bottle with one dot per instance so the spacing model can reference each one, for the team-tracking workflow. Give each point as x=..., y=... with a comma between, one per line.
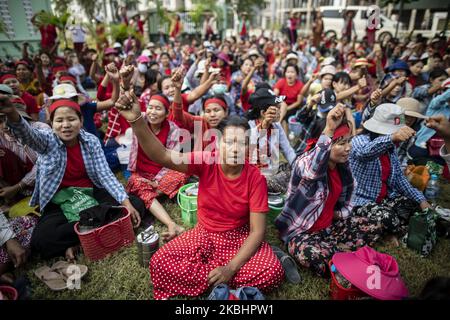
x=432, y=190
x=291, y=136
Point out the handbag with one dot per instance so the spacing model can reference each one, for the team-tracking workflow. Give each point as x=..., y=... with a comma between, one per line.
x=418, y=176
x=73, y=200
x=421, y=236
x=434, y=146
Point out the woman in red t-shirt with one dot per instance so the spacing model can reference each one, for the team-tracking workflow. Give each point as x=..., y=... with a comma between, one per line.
x=215, y=109
x=68, y=157
x=227, y=244
x=166, y=88
x=149, y=179
x=314, y=228
x=290, y=87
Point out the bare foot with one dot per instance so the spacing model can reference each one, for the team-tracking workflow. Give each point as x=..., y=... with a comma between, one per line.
x=71, y=252
x=174, y=231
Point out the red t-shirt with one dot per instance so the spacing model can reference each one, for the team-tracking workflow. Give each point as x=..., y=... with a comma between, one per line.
x=48, y=35
x=335, y=187
x=185, y=102
x=244, y=100
x=385, y=172
x=144, y=165
x=291, y=92
x=225, y=204
x=104, y=93
x=75, y=174
x=30, y=102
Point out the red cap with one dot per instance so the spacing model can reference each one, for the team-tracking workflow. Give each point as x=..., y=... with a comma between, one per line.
x=220, y=102
x=7, y=76
x=64, y=103
x=22, y=62
x=18, y=100
x=59, y=68
x=161, y=99
x=60, y=60
x=68, y=78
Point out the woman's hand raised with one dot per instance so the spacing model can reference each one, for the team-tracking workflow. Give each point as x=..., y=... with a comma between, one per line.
x=128, y=106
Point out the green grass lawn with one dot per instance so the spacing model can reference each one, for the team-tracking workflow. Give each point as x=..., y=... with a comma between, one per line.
x=120, y=276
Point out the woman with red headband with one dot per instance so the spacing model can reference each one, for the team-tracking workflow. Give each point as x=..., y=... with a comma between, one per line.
x=214, y=111
x=227, y=244
x=11, y=81
x=149, y=179
x=68, y=157
x=316, y=220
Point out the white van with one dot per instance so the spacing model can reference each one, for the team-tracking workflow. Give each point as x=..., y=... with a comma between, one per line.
x=333, y=20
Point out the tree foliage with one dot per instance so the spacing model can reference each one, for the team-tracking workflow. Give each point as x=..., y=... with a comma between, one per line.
x=247, y=5
x=59, y=21
x=203, y=6
x=120, y=32
x=61, y=6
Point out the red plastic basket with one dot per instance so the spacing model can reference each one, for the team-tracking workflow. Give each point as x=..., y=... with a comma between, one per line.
x=100, y=242
x=9, y=292
x=338, y=292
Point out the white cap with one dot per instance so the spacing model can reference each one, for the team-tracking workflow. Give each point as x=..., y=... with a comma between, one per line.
x=117, y=45
x=387, y=119
x=253, y=52
x=150, y=44
x=99, y=17
x=424, y=56
x=327, y=70
x=64, y=91
x=146, y=53
x=328, y=61
x=292, y=56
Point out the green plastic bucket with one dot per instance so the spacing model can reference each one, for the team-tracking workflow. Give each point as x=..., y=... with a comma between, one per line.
x=275, y=209
x=188, y=206
x=274, y=212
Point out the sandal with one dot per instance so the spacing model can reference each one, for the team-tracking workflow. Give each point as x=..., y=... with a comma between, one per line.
x=289, y=265
x=62, y=267
x=54, y=280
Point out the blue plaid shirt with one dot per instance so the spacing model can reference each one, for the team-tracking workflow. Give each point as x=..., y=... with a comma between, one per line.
x=52, y=162
x=366, y=168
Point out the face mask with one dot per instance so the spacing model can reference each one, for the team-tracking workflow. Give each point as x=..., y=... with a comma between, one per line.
x=142, y=67
x=219, y=88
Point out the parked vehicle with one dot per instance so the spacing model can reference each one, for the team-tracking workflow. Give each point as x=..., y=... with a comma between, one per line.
x=333, y=19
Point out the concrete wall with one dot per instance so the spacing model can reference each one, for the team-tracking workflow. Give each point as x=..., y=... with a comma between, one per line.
x=16, y=14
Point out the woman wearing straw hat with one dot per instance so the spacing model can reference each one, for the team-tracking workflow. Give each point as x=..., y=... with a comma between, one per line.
x=383, y=193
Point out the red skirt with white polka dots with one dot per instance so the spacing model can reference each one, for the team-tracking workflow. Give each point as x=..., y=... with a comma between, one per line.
x=181, y=267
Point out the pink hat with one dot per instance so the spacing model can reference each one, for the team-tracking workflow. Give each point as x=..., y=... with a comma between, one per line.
x=143, y=59
x=110, y=51
x=223, y=56
x=375, y=273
